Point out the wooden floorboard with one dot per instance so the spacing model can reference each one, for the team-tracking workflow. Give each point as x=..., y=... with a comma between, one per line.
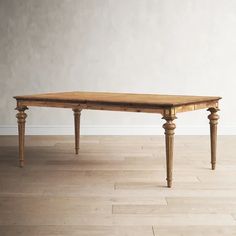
x=116, y=186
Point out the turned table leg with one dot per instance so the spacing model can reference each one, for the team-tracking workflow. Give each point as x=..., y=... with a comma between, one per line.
x=169, y=127
x=213, y=117
x=21, y=117
x=77, y=113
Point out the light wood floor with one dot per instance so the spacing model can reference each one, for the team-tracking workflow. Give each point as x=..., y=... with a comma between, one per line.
x=116, y=186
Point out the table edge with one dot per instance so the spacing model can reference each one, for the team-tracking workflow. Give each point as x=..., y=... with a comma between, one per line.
x=84, y=101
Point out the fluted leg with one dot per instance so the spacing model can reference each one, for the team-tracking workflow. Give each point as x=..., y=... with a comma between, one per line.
x=169, y=127
x=213, y=117
x=21, y=117
x=77, y=113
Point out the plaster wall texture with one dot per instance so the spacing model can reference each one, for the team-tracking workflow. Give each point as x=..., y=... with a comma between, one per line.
x=140, y=46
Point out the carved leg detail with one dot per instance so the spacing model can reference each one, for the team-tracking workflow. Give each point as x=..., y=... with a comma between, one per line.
x=77, y=113
x=21, y=117
x=213, y=117
x=169, y=127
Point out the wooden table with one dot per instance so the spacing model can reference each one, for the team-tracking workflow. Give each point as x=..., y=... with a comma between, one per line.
x=166, y=105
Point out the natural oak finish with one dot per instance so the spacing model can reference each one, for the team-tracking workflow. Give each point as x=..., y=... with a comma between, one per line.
x=166, y=105
x=213, y=117
x=169, y=127
x=21, y=119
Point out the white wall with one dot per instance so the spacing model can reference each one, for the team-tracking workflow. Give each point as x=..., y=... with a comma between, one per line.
x=141, y=46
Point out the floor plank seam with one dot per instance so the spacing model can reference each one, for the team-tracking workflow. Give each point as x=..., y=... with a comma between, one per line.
x=112, y=209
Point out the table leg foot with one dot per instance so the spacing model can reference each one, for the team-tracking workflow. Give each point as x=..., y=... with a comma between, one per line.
x=213, y=166
x=169, y=183
x=22, y=163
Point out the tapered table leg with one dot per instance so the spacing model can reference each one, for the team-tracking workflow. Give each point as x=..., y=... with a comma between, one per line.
x=21, y=118
x=77, y=113
x=213, y=117
x=169, y=127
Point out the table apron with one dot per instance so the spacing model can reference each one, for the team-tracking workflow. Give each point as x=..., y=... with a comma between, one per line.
x=146, y=108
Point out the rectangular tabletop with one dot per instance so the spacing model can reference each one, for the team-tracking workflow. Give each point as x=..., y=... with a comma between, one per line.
x=118, y=98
